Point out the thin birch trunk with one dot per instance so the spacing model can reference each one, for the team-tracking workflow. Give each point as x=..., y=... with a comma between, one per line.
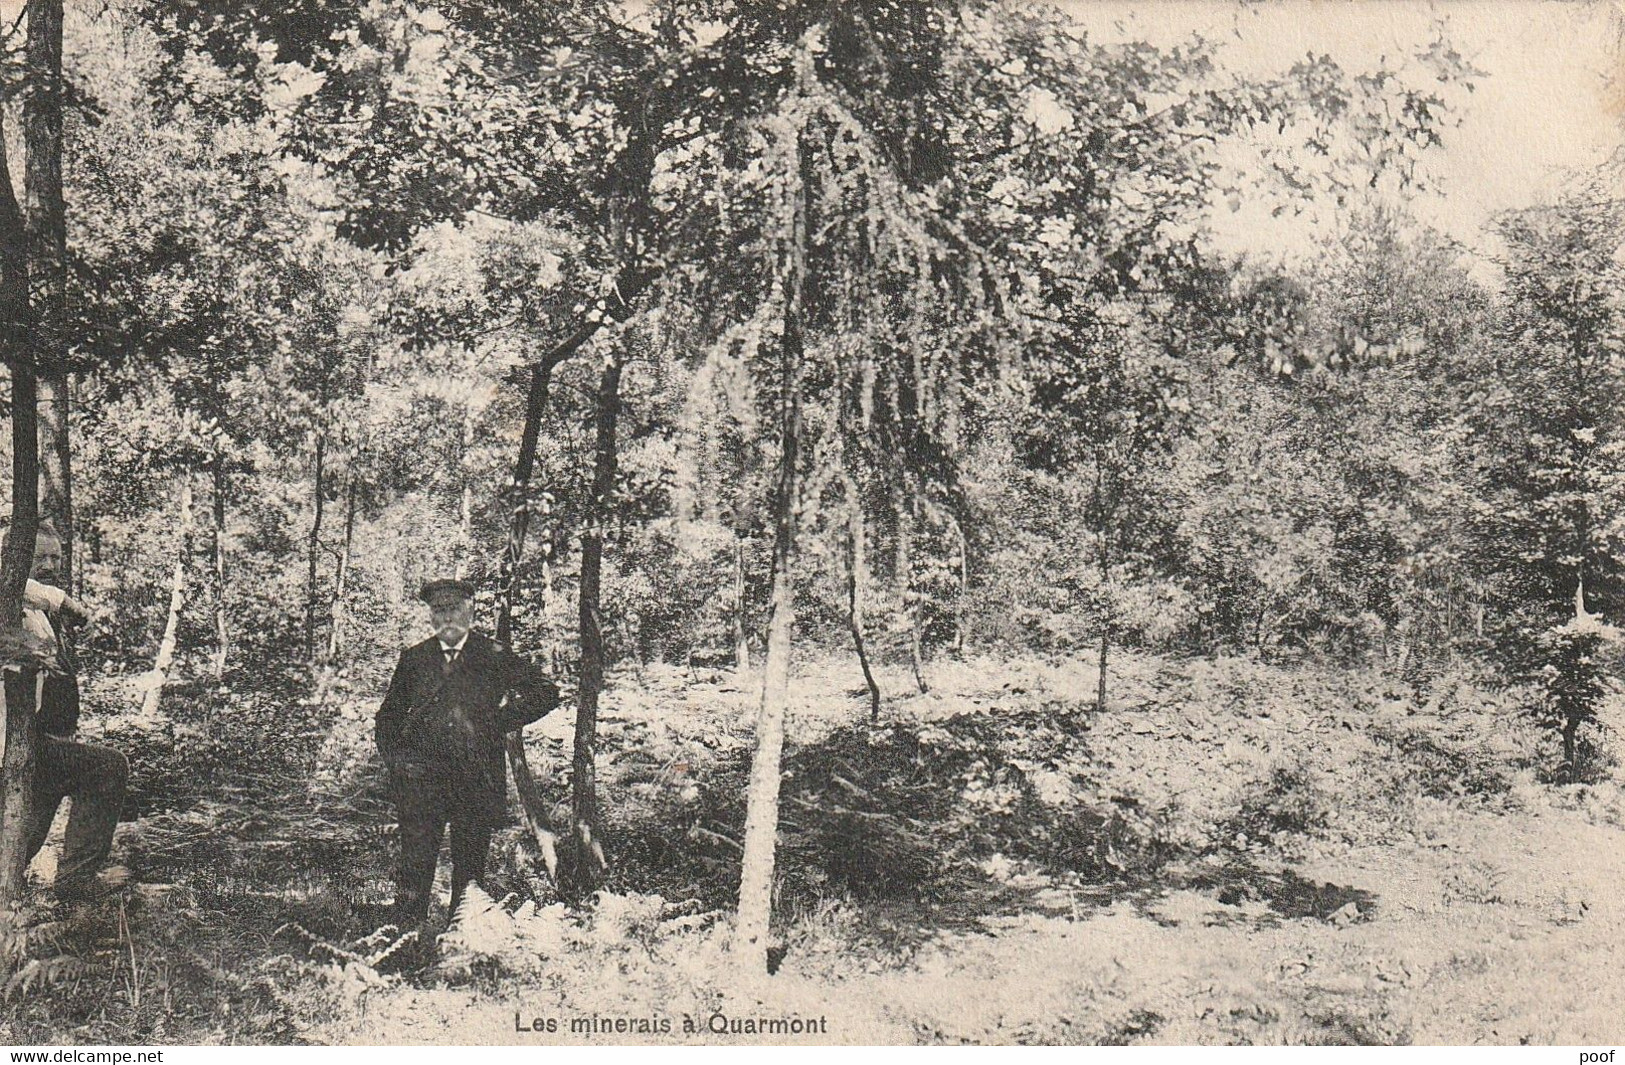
x=751, y=932
x=855, y=576
x=165, y=658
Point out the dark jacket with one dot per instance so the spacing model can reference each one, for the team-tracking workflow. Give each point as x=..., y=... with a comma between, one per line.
x=451, y=724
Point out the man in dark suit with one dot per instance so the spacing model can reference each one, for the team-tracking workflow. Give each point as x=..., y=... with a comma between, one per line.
x=440, y=729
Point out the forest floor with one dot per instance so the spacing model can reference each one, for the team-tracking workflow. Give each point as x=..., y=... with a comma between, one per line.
x=1229, y=853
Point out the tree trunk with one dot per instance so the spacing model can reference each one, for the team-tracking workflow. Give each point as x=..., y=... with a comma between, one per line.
x=751, y=932
x=48, y=408
x=47, y=264
x=20, y=686
x=56, y=477
x=465, y=507
x=328, y=659
x=741, y=631
x=961, y=605
x=550, y=630
x=905, y=584
x=21, y=699
x=341, y=581
x=587, y=853
x=854, y=601
x=524, y=780
x=1100, y=682
x=222, y=635
x=519, y=493
x=177, y=599
x=315, y=550
x=1105, y=621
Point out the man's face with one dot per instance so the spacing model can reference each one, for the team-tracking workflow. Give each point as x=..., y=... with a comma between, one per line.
x=451, y=618
x=47, y=558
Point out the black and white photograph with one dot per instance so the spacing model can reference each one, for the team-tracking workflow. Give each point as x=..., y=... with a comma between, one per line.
x=681, y=523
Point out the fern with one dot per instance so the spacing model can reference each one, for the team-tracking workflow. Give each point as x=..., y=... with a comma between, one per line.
x=484, y=932
x=19, y=942
x=54, y=972
x=375, y=952
x=398, y=951
x=320, y=948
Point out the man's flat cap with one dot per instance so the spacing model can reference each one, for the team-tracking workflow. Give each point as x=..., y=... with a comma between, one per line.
x=446, y=591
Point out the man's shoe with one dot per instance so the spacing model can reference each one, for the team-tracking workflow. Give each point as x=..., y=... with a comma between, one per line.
x=109, y=881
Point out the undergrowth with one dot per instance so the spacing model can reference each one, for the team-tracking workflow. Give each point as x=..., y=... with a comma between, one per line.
x=262, y=831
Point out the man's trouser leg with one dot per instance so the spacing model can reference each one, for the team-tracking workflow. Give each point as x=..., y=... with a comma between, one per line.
x=420, y=808
x=48, y=795
x=470, y=846
x=94, y=778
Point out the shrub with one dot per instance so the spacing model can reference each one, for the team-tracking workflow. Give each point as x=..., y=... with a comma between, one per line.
x=1572, y=686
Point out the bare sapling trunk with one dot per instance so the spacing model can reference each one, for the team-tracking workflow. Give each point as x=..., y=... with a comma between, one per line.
x=855, y=578
x=1105, y=620
x=905, y=585
x=222, y=634
x=531, y=805
x=165, y=658
x=314, y=547
x=752, y=929
x=586, y=849
x=341, y=581
x=333, y=645
x=550, y=598
x=465, y=506
x=962, y=603
x=741, y=632
x=1105, y=650
x=20, y=674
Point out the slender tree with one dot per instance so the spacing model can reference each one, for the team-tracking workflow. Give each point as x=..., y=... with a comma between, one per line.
x=47, y=263
x=18, y=555
x=587, y=859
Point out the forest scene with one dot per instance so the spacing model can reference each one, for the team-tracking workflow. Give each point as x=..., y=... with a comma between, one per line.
x=972, y=521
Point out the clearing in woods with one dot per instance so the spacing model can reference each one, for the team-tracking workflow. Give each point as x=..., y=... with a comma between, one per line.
x=1231, y=853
